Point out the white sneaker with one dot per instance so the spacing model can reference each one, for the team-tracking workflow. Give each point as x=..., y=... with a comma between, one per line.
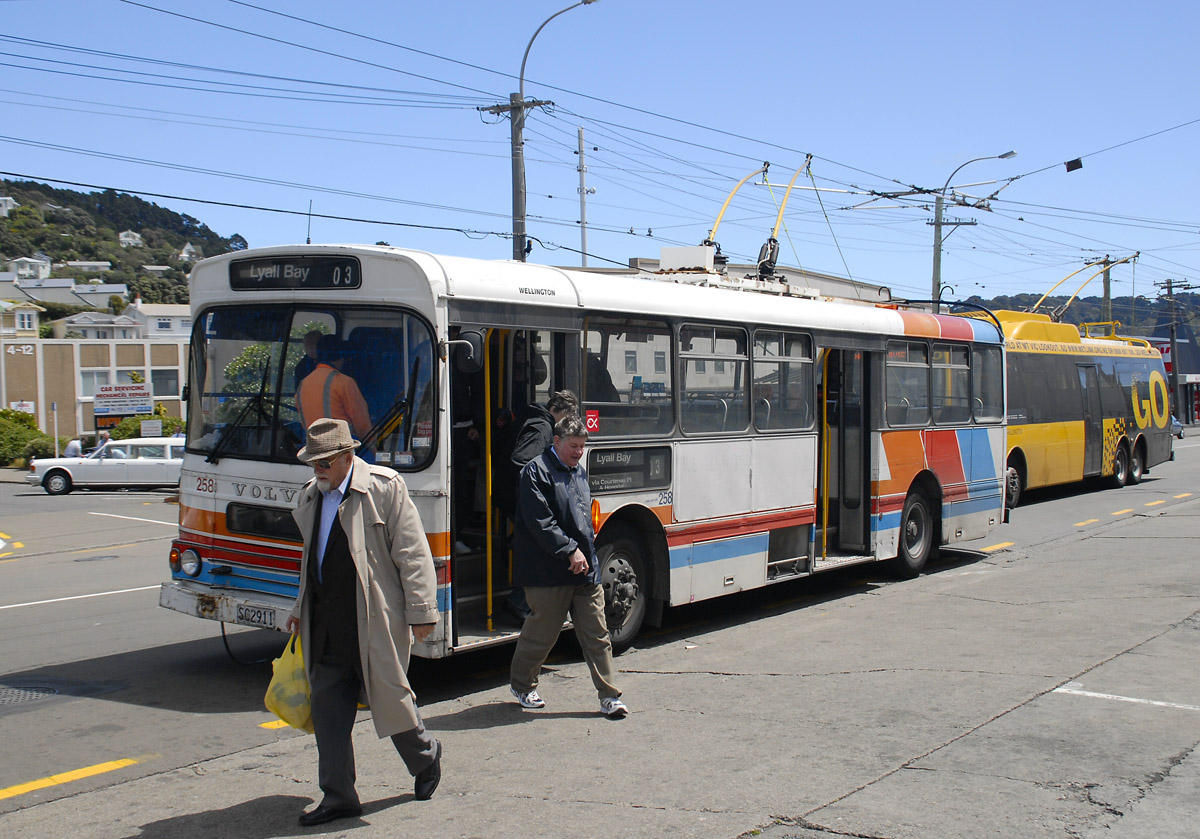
x=461, y=547
x=612, y=707
x=527, y=700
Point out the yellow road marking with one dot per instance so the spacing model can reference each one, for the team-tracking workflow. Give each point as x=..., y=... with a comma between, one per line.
x=273, y=724
x=18, y=544
x=4, y=536
x=990, y=548
x=1155, y=503
x=1082, y=523
x=1122, y=512
x=1183, y=495
x=65, y=777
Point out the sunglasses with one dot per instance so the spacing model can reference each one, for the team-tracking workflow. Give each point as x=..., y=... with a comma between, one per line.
x=321, y=464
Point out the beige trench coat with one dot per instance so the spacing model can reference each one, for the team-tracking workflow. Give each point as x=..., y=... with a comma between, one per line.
x=397, y=585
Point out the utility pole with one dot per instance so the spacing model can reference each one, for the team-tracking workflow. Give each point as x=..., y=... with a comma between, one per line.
x=1106, y=301
x=516, y=107
x=1176, y=401
x=583, y=194
x=938, y=222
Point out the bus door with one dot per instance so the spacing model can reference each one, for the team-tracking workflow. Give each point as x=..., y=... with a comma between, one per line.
x=521, y=367
x=846, y=444
x=1093, y=425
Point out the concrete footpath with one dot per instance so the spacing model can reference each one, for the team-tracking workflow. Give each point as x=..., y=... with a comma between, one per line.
x=1009, y=695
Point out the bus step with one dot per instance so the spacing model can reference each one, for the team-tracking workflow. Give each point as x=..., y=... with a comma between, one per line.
x=825, y=563
x=778, y=569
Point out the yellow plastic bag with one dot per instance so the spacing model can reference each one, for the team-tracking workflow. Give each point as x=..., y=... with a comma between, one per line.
x=288, y=696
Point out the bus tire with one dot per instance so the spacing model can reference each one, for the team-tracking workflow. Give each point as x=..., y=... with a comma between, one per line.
x=1137, y=465
x=623, y=578
x=916, y=536
x=1120, y=475
x=1014, y=485
x=57, y=482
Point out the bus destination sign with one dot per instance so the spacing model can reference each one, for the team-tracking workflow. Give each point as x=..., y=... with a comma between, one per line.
x=628, y=469
x=315, y=272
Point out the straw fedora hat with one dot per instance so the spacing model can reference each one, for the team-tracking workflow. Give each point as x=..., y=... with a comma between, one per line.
x=326, y=438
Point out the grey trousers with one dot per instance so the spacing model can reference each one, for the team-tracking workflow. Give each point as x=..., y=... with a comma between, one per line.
x=549, y=606
x=335, y=692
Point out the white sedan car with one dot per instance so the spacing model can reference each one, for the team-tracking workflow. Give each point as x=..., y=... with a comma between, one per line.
x=137, y=462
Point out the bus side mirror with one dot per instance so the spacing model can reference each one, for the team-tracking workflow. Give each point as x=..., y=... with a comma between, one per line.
x=468, y=351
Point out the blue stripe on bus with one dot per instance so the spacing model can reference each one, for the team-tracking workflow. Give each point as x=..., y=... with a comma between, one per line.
x=984, y=330
x=245, y=579
x=697, y=554
x=975, y=448
x=992, y=501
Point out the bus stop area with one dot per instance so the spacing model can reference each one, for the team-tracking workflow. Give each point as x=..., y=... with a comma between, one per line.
x=1039, y=694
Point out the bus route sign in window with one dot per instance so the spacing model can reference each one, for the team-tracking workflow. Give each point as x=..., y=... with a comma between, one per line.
x=629, y=469
x=311, y=272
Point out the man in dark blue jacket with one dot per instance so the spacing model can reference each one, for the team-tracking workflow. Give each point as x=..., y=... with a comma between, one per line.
x=556, y=563
x=535, y=434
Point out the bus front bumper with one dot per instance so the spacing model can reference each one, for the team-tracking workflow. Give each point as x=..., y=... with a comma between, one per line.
x=265, y=611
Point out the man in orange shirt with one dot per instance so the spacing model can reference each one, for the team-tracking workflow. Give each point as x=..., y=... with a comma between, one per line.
x=327, y=392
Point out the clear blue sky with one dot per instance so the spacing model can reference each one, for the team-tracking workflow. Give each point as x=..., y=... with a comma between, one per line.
x=680, y=98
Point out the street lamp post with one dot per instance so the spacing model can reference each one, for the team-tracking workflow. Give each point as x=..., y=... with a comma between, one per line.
x=939, y=204
x=517, y=107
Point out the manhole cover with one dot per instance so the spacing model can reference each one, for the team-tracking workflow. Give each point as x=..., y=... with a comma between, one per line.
x=15, y=696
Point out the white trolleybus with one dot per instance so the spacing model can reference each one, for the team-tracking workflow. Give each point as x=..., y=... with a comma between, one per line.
x=741, y=433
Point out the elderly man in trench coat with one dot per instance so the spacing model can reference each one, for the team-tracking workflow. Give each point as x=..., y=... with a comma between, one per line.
x=366, y=578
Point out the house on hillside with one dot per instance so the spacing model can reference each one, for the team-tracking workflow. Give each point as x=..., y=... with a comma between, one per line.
x=156, y=270
x=130, y=239
x=19, y=320
x=97, y=326
x=160, y=320
x=97, y=267
x=59, y=290
x=36, y=267
x=97, y=295
x=7, y=204
x=190, y=253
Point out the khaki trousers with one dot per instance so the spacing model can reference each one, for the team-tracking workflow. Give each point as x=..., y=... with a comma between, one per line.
x=549, y=606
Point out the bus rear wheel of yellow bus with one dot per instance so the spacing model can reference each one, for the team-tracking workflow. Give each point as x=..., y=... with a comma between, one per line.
x=1120, y=475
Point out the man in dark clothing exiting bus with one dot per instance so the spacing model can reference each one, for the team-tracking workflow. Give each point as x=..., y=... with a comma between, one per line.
x=535, y=434
x=556, y=562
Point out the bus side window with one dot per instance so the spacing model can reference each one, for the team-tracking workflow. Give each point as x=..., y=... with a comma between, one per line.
x=627, y=386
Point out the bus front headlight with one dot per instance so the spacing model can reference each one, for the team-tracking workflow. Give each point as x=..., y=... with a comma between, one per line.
x=189, y=562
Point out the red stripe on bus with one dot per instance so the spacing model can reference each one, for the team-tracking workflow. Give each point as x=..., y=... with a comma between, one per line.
x=684, y=534
x=941, y=450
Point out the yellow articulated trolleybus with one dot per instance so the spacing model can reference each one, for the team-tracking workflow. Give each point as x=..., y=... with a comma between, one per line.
x=742, y=432
x=1081, y=407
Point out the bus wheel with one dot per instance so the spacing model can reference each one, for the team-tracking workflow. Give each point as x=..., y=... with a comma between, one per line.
x=57, y=482
x=916, y=536
x=1120, y=475
x=1137, y=466
x=623, y=577
x=1014, y=484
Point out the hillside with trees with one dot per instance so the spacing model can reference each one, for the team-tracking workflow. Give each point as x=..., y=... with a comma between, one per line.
x=1137, y=316
x=70, y=226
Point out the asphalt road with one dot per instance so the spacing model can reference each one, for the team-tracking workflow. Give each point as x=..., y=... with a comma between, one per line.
x=1042, y=684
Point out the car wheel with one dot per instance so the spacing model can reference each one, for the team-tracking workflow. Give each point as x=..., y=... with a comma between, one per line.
x=57, y=482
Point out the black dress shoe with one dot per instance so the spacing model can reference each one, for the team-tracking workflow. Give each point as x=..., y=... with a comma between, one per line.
x=429, y=777
x=324, y=814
